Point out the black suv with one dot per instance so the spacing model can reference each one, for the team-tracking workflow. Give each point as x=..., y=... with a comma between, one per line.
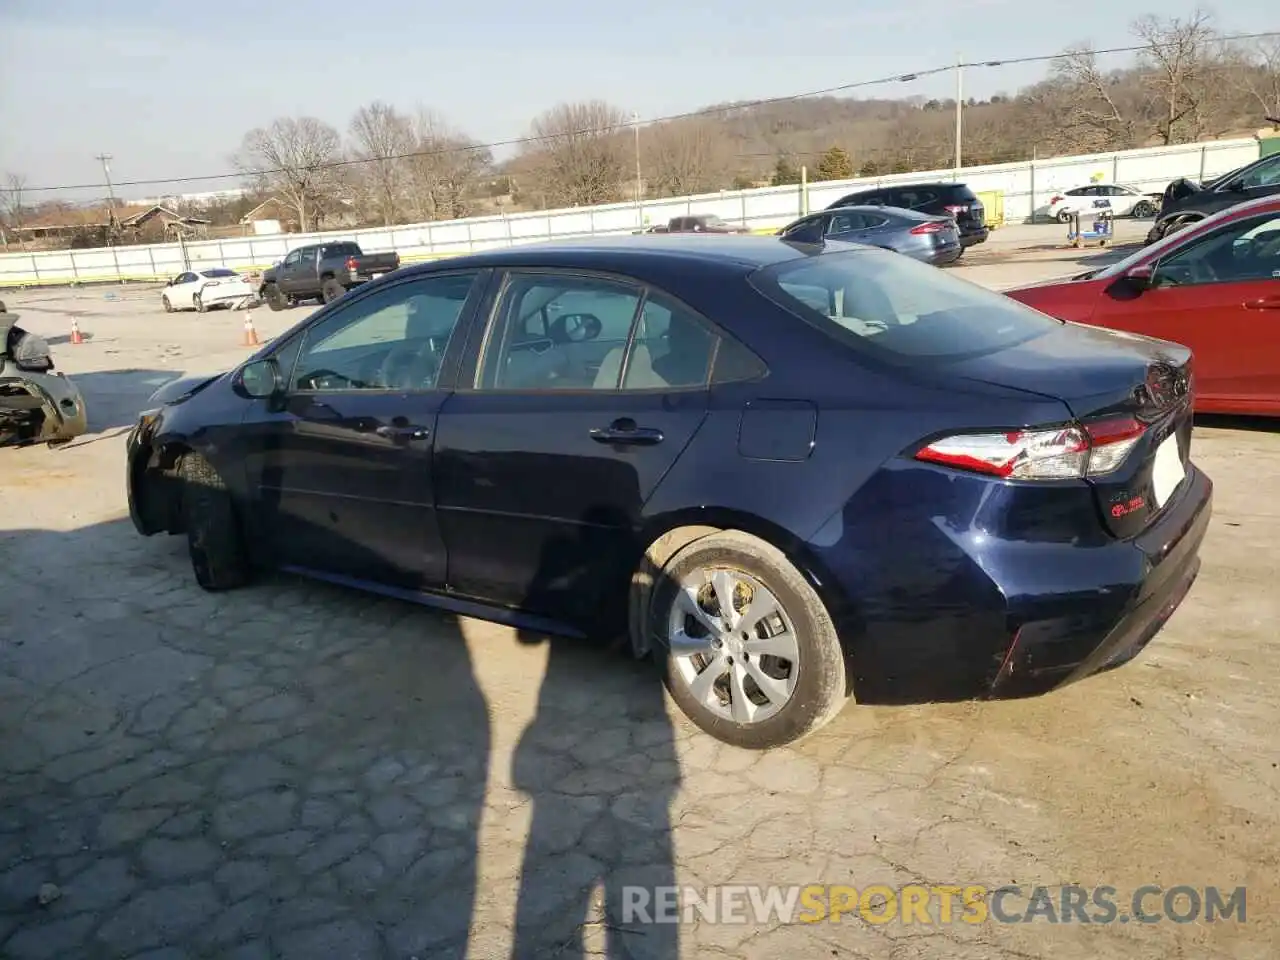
x=940, y=199
x=1186, y=201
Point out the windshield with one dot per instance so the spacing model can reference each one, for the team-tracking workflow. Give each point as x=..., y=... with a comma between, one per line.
x=898, y=309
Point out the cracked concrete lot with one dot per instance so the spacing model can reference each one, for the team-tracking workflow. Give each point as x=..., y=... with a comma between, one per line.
x=297, y=770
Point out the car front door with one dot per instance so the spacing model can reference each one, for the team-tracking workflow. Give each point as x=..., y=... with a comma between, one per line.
x=340, y=465
x=184, y=289
x=1220, y=295
x=587, y=390
x=287, y=271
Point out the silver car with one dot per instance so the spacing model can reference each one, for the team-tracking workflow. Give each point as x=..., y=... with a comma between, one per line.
x=921, y=236
x=37, y=403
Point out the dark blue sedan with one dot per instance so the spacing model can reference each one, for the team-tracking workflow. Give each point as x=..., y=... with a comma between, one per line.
x=793, y=472
x=921, y=236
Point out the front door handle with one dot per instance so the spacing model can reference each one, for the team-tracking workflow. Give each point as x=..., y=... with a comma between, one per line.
x=624, y=430
x=1266, y=303
x=403, y=433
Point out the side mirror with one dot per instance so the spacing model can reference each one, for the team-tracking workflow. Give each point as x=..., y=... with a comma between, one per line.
x=259, y=380
x=1141, y=277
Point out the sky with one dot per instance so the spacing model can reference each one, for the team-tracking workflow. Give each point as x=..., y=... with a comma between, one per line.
x=169, y=88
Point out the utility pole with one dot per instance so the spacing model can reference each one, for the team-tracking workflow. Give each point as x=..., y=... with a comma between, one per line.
x=959, y=107
x=635, y=124
x=105, y=158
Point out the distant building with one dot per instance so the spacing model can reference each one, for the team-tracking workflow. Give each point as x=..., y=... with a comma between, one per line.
x=99, y=226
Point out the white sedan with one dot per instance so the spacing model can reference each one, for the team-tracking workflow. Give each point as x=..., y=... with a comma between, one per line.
x=1126, y=200
x=201, y=290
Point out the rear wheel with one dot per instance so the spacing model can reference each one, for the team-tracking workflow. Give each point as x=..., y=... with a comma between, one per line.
x=331, y=290
x=213, y=530
x=275, y=298
x=1144, y=208
x=168, y=307
x=198, y=302
x=1064, y=216
x=752, y=655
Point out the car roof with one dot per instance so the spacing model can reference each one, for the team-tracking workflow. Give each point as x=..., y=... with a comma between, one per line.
x=639, y=254
x=900, y=212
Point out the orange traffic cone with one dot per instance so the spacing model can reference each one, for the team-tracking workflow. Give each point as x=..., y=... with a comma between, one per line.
x=76, y=336
x=250, y=338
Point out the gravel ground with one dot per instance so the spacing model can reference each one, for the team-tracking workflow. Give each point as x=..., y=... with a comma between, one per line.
x=297, y=770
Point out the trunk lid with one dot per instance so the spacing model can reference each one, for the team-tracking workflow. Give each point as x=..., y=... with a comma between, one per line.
x=1105, y=375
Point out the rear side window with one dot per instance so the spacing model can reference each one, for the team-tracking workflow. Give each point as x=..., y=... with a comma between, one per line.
x=897, y=309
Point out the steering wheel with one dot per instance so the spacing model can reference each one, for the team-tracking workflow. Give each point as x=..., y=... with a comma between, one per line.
x=408, y=367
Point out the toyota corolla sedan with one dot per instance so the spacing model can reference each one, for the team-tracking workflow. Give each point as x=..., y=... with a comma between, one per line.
x=792, y=472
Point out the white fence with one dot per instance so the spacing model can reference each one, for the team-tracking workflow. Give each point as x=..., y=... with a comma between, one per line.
x=1025, y=189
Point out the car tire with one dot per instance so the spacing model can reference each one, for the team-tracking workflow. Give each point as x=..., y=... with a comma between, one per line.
x=1143, y=209
x=331, y=290
x=168, y=307
x=214, y=541
x=808, y=694
x=198, y=302
x=275, y=298
x=1064, y=216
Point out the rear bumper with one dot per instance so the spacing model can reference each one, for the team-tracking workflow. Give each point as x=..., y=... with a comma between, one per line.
x=971, y=235
x=992, y=592
x=1056, y=651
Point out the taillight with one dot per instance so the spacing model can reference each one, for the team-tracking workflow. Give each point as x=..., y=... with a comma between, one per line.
x=1057, y=453
x=1055, y=198
x=933, y=226
x=955, y=209
x=352, y=263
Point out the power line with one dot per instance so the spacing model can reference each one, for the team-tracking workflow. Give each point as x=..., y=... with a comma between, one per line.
x=688, y=115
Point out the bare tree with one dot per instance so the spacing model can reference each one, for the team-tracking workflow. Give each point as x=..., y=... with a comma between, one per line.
x=684, y=157
x=295, y=160
x=1089, y=107
x=1180, y=62
x=12, y=205
x=1255, y=71
x=444, y=167
x=383, y=137
x=581, y=153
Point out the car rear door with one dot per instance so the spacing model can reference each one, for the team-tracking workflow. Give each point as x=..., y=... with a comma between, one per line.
x=340, y=467
x=1219, y=294
x=587, y=389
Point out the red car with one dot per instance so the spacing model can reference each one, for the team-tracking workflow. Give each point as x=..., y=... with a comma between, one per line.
x=1213, y=286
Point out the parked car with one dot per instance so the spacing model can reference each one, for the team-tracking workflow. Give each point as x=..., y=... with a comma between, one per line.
x=789, y=472
x=954, y=200
x=1126, y=200
x=38, y=404
x=202, y=290
x=696, y=223
x=323, y=271
x=1185, y=202
x=1213, y=286
x=931, y=239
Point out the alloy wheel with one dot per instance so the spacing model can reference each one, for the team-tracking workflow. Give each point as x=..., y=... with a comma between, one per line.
x=734, y=645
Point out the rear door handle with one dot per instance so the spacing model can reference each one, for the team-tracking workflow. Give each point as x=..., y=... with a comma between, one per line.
x=625, y=431
x=409, y=433
x=1266, y=303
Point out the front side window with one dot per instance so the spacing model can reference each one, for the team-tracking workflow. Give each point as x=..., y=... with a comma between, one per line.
x=898, y=309
x=1263, y=175
x=845, y=223
x=1240, y=252
x=292, y=258
x=559, y=332
x=392, y=339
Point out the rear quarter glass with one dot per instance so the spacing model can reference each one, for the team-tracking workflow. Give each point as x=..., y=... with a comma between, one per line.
x=961, y=193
